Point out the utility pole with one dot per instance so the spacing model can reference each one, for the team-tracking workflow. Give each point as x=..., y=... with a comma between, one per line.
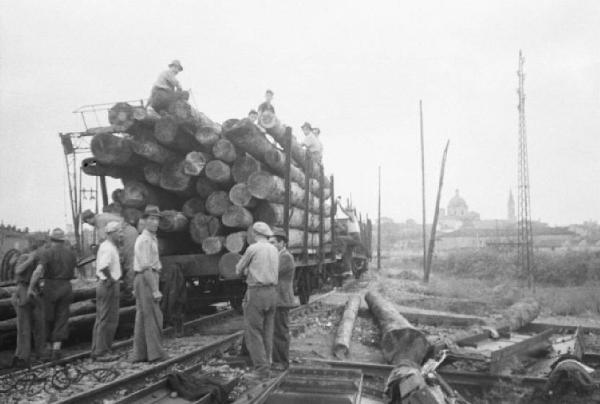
x=524, y=227
x=379, y=222
x=423, y=192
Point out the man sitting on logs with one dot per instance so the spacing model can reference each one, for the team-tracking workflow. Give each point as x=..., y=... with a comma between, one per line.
x=148, y=316
x=56, y=268
x=311, y=142
x=285, y=301
x=108, y=271
x=260, y=265
x=166, y=89
x=267, y=105
x=99, y=221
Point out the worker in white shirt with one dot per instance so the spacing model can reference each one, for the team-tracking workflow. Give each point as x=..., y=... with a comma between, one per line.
x=311, y=142
x=108, y=271
x=167, y=88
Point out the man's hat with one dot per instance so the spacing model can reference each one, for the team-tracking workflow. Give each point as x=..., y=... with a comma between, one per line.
x=87, y=214
x=57, y=235
x=262, y=228
x=277, y=232
x=111, y=227
x=176, y=63
x=306, y=125
x=269, y=92
x=151, y=210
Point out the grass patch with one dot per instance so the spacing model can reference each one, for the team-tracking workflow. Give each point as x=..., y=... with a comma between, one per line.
x=570, y=301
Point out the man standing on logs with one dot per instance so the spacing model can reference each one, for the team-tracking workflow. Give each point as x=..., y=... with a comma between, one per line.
x=267, y=106
x=56, y=268
x=285, y=301
x=99, y=221
x=108, y=271
x=148, y=317
x=260, y=265
x=311, y=142
x=166, y=89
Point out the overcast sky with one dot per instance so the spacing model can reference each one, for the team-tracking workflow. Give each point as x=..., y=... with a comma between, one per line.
x=355, y=69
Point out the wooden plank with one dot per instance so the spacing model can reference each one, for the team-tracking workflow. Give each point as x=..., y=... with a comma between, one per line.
x=500, y=356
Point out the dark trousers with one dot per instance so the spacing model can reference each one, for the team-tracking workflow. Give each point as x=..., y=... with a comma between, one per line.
x=281, y=336
x=57, y=296
x=161, y=98
x=30, y=323
x=107, y=317
x=259, y=318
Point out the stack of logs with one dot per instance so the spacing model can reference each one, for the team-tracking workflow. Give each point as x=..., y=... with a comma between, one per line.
x=210, y=181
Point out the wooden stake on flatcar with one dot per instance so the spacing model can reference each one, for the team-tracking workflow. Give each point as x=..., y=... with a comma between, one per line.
x=288, y=163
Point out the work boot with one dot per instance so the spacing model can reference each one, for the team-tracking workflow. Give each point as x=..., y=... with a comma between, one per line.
x=19, y=363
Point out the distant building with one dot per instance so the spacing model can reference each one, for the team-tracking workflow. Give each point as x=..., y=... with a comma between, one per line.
x=511, y=217
x=457, y=215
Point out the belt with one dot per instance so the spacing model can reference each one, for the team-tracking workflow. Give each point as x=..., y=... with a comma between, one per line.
x=260, y=285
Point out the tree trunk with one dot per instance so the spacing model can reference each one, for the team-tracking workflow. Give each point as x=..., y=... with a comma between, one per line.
x=144, y=145
x=193, y=206
x=137, y=195
x=168, y=133
x=132, y=216
x=173, y=178
x=212, y=245
x=121, y=116
x=218, y=171
x=111, y=149
x=276, y=160
x=217, y=203
x=343, y=336
x=272, y=214
x=224, y=150
x=152, y=174
x=195, y=162
x=240, y=196
x=227, y=265
x=399, y=339
x=205, y=187
x=173, y=221
x=191, y=118
x=203, y=226
x=235, y=242
x=237, y=217
x=243, y=167
x=248, y=137
x=519, y=314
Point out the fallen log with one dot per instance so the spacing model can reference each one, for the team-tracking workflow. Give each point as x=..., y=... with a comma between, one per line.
x=205, y=187
x=218, y=172
x=237, y=217
x=213, y=245
x=240, y=196
x=152, y=174
x=343, y=336
x=224, y=150
x=193, y=206
x=173, y=178
x=519, y=315
x=243, y=167
x=217, y=203
x=227, y=264
x=203, y=226
x=400, y=341
x=195, y=162
x=113, y=150
x=145, y=146
x=235, y=242
x=273, y=215
x=173, y=221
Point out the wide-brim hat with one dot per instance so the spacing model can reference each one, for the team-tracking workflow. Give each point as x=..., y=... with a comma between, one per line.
x=277, y=232
x=151, y=210
x=306, y=125
x=176, y=63
x=262, y=228
x=57, y=235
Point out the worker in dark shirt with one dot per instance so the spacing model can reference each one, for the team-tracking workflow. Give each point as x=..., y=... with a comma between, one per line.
x=56, y=268
x=266, y=106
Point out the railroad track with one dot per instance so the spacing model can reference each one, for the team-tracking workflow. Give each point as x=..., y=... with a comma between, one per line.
x=76, y=378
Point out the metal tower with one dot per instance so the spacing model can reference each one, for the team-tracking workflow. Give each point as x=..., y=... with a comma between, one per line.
x=524, y=228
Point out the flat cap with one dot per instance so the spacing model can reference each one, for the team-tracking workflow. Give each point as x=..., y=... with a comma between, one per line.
x=262, y=228
x=111, y=227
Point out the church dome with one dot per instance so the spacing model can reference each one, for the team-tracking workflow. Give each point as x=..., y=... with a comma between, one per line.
x=457, y=206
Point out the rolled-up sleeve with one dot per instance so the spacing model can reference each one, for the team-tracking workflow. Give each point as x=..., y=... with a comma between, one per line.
x=103, y=260
x=244, y=261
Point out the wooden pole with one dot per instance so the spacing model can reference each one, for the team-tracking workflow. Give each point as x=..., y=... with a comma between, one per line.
x=288, y=184
x=423, y=190
x=379, y=224
x=435, y=216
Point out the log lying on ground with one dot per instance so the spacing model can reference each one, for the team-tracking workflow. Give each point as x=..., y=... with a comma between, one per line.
x=152, y=173
x=272, y=214
x=341, y=345
x=235, y=242
x=399, y=339
x=243, y=167
x=173, y=178
x=203, y=226
x=205, y=187
x=217, y=203
x=224, y=150
x=195, y=162
x=213, y=245
x=111, y=149
x=227, y=264
x=218, y=172
x=145, y=146
x=240, y=196
x=192, y=206
x=173, y=221
x=519, y=315
x=237, y=217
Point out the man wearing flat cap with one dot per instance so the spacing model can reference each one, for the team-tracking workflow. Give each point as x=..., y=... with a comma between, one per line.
x=147, y=345
x=285, y=301
x=167, y=89
x=108, y=272
x=260, y=264
x=56, y=268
